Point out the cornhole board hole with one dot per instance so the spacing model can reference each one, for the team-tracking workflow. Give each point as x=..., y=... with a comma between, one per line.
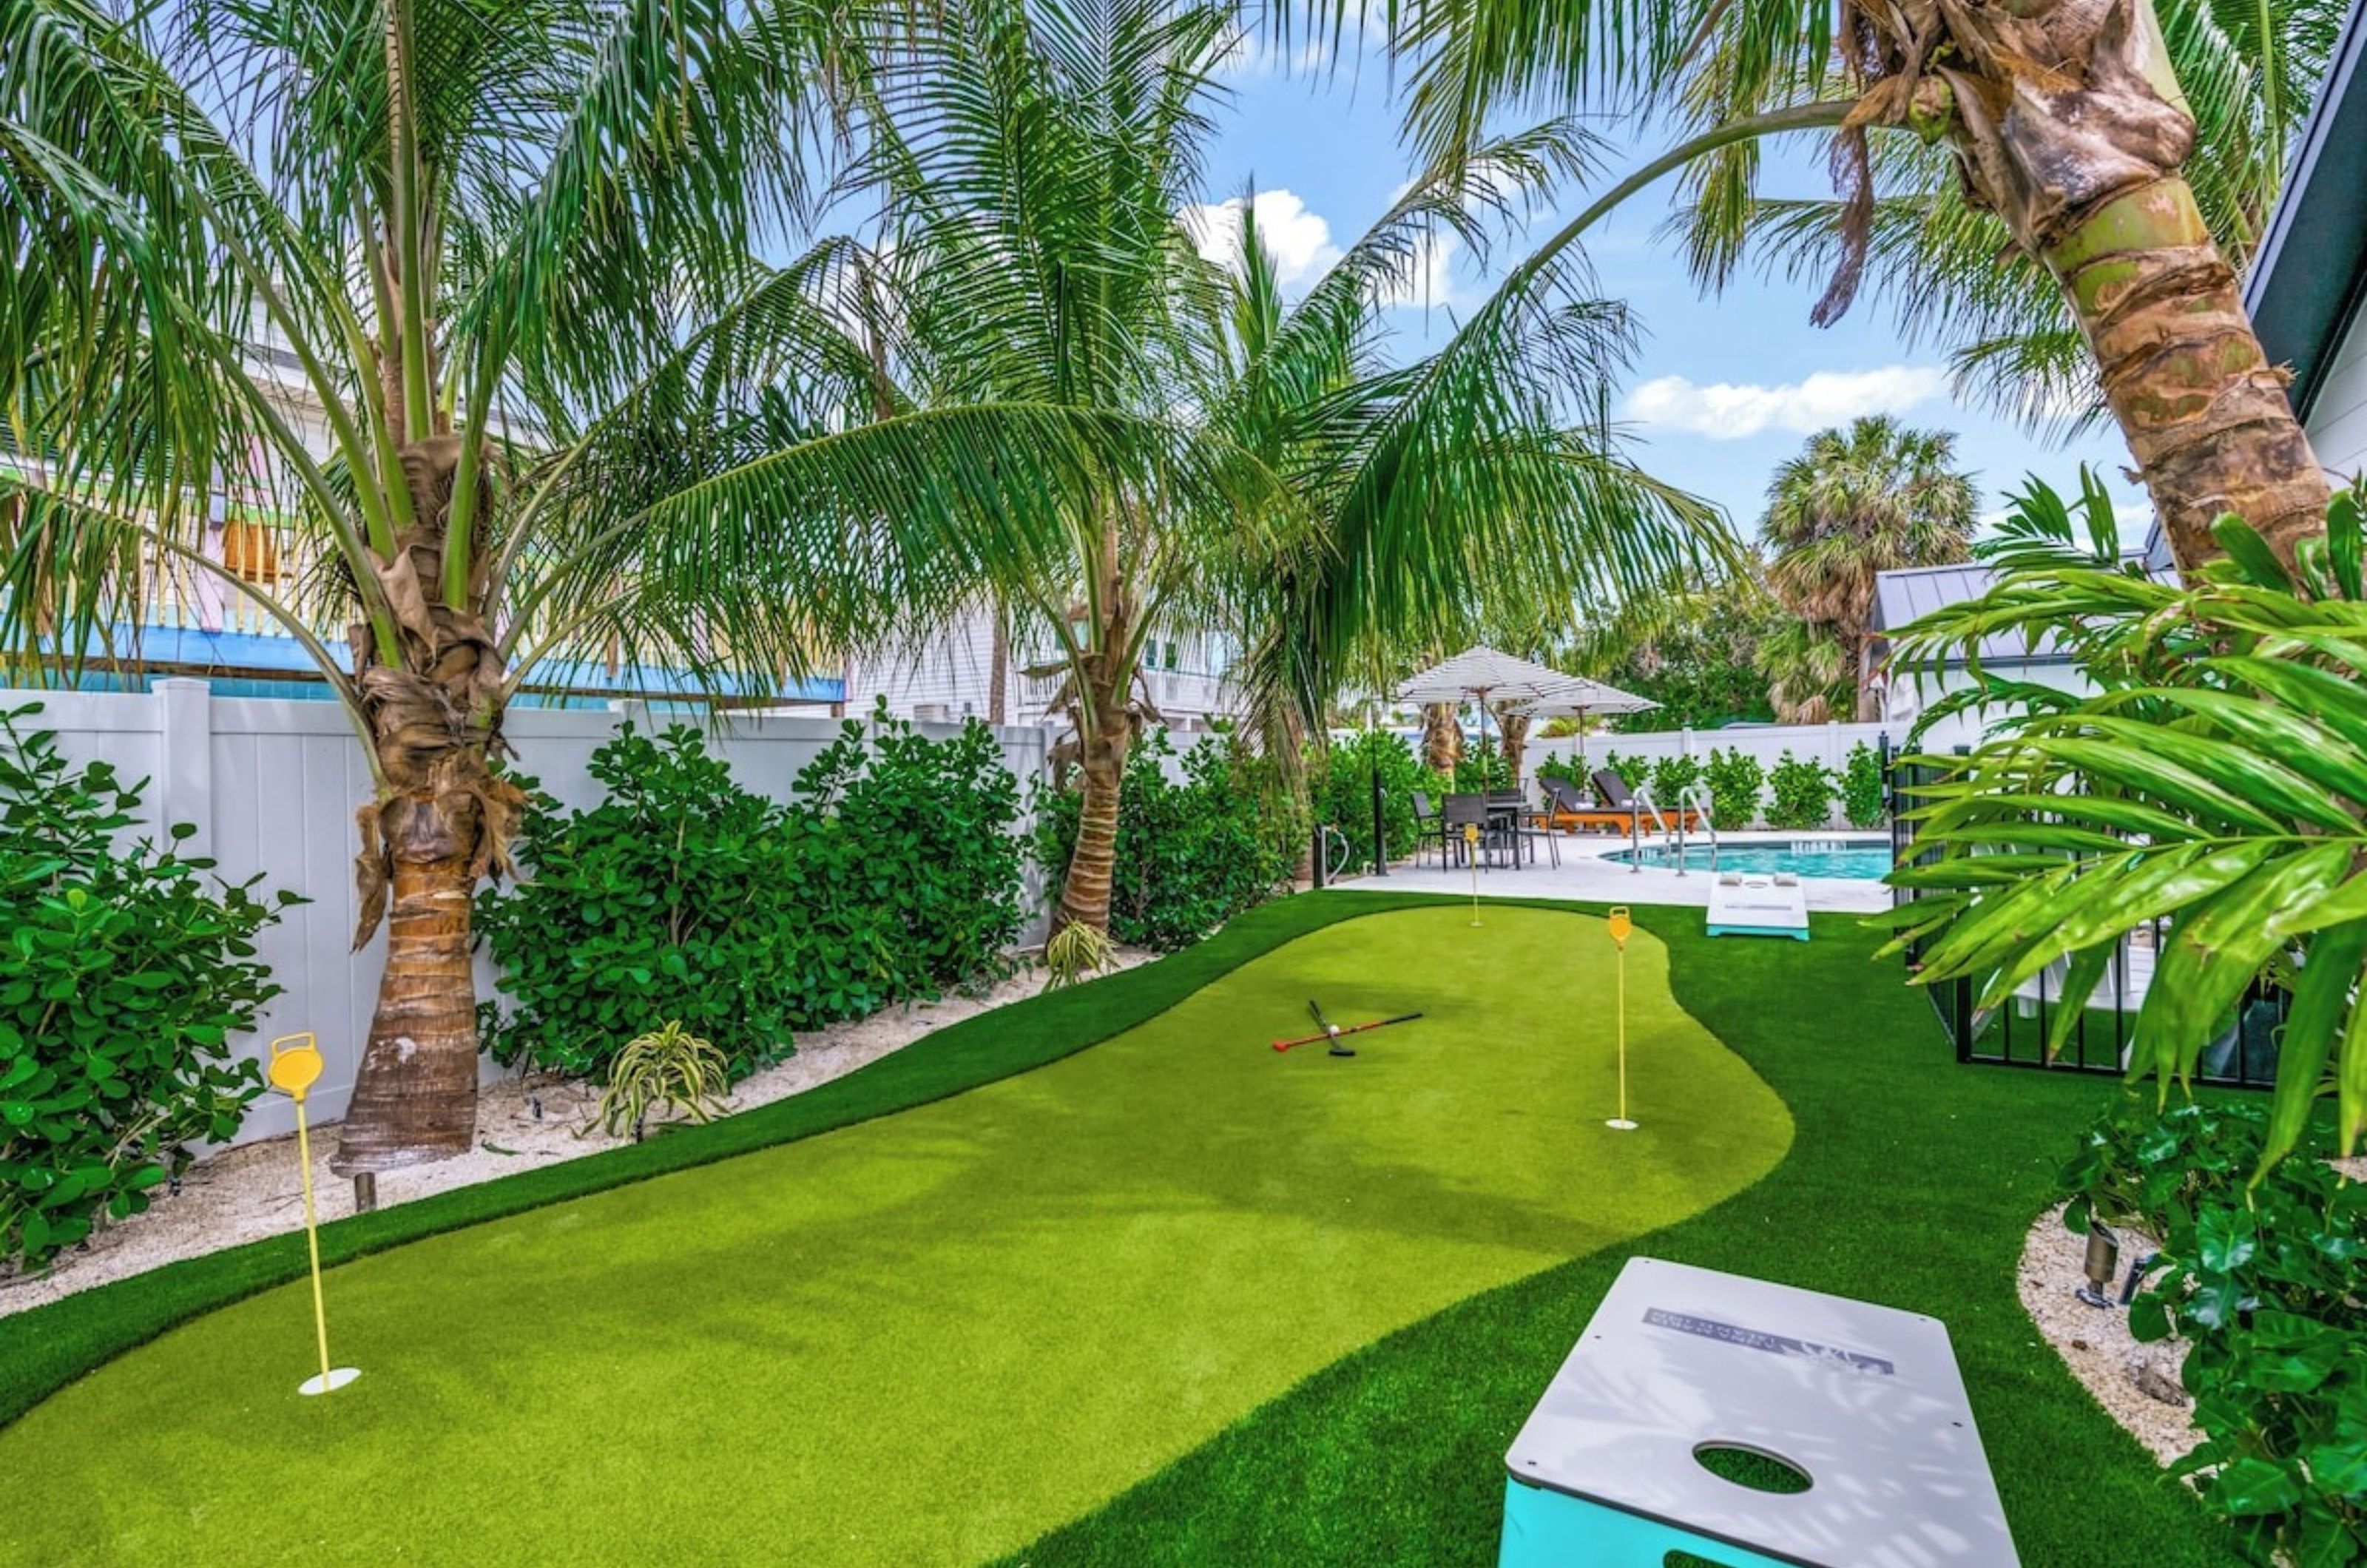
x=1743, y=905
x=1865, y=1401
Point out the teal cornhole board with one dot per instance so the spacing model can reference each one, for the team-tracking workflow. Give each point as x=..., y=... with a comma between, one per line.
x=1866, y=1401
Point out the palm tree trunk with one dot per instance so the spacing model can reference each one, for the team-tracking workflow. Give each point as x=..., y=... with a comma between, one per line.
x=415, y=1098
x=2075, y=135
x=1514, y=729
x=998, y=670
x=1442, y=738
x=1103, y=745
x=2205, y=414
x=443, y=821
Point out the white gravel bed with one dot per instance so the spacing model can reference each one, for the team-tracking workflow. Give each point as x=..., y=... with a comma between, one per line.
x=2095, y=1342
x=255, y=1189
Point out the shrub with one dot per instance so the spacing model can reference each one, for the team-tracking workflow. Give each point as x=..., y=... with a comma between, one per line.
x=1190, y=855
x=1735, y=778
x=2261, y=1280
x=1563, y=768
x=1800, y=793
x=1343, y=792
x=125, y=972
x=668, y=1068
x=684, y=895
x=1075, y=955
x=1672, y=776
x=1862, y=791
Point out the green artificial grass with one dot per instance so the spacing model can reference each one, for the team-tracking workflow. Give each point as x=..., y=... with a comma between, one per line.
x=933, y=1336
x=1911, y=1182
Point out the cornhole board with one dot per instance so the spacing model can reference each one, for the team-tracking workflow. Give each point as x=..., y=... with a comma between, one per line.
x=1759, y=906
x=1865, y=1400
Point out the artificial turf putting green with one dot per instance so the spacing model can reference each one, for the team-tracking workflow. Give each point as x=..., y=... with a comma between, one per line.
x=933, y=1336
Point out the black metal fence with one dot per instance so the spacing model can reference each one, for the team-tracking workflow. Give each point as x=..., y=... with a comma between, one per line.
x=2014, y=1033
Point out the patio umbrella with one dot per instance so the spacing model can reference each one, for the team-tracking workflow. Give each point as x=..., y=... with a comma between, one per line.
x=1480, y=673
x=1577, y=697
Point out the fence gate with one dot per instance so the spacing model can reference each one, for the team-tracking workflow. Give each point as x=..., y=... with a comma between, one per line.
x=2014, y=1033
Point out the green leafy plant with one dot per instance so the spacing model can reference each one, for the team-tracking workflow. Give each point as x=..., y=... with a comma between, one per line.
x=1482, y=767
x=1800, y=793
x=2216, y=776
x=2259, y=1273
x=1076, y=952
x=1672, y=776
x=1862, y=787
x=1563, y=768
x=1191, y=854
x=668, y=1069
x=893, y=873
x=124, y=971
x=1734, y=779
x=1343, y=794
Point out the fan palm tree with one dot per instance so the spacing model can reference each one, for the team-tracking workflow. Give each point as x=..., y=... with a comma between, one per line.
x=1035, y=159
x=1854, y=505
x=2069, y=129
x=504, y=255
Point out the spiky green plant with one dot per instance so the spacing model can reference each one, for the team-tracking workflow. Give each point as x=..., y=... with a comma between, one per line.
x=668, y=1069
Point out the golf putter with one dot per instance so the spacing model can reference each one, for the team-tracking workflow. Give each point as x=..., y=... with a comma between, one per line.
x=1328, y=1027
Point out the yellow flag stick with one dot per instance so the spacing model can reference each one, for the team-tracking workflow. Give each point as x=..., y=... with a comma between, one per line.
x=295, y=1064
x=1621, y=925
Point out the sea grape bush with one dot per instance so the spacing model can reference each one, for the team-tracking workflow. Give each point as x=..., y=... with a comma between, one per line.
x=2259, y=1276
x=1190, y=855
x=1734, y=779
x=1862, y=791
x=1800, y=793
x=1343, y=792
x=124, y=970
x=893, y=873
x=1672, y=776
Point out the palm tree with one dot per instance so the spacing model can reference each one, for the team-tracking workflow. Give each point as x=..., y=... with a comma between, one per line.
x=505, y=252
x=1855, y=504
x=2068, y=127
x=1035, y=159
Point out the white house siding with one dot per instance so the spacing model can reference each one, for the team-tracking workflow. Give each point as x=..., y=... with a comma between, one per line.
x=950, y=677
x=2338, y=423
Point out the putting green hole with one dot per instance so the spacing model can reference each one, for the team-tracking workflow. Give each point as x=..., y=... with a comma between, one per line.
x=1754, y=1468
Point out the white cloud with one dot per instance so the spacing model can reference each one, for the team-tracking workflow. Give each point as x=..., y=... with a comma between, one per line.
x=1428, y=278
x=1299, y=240
x=1726, y=412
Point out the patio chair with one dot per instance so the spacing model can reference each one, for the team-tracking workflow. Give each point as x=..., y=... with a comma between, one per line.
x=1618, y=800
x=1469, y=811
x=1430, y=830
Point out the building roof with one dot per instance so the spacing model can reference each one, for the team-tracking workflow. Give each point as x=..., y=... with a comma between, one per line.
x=1907, y=595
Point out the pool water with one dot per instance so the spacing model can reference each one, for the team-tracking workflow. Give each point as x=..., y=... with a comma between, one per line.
x=1864, y=859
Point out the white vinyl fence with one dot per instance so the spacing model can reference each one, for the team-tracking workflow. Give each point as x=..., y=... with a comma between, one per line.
x=271, y=787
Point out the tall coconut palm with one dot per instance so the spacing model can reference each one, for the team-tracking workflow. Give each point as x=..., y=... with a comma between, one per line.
x=502, y=254
x=1034, y=161
x=1854, y=505
x=2070, y=124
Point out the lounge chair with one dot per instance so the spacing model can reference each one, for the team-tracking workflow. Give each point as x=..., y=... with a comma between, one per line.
x=1619, y=800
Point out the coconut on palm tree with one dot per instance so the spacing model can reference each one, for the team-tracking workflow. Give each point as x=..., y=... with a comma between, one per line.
x=2069, y=129
x=1854, y=505
x=545, y=400
x=1035, y=162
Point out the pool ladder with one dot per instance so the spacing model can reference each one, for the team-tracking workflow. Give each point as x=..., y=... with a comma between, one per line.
x=1672, y=838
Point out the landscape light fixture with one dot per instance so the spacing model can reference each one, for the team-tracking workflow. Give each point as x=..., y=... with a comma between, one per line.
x=2103, y=1258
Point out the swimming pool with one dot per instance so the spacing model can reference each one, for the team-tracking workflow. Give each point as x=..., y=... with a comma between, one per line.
x=1864, y=860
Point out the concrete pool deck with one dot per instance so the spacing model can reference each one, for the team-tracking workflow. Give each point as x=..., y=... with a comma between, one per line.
x=1586, y=876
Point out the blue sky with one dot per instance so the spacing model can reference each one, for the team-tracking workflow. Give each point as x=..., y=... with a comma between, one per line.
x=1722, y=389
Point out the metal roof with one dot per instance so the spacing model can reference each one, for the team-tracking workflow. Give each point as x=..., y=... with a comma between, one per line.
x=1909, y=594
